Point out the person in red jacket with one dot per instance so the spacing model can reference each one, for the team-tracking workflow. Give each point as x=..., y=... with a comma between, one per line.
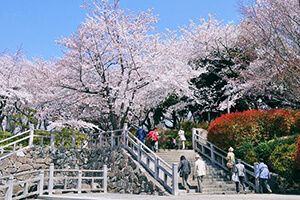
x=153, y=138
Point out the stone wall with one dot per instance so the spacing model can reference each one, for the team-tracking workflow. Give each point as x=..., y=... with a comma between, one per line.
x=124, y=176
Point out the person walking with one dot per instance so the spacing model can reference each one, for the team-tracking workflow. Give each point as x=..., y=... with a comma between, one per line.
x=184, y=169
x=241, y=172
x=235, y=179
x=141, y=134
x=230, y=161
x=153, y=138
x=182, y=138
x=199, y=172
x=263, y=174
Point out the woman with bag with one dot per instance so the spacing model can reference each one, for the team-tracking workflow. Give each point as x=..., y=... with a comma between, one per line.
x=235, y=178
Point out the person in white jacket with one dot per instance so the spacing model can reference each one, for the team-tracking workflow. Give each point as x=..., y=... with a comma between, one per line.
x=199, y=172
x=182, y=138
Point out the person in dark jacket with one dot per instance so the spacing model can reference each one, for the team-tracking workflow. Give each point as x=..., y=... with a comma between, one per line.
x=141, y=134
x=184, y=169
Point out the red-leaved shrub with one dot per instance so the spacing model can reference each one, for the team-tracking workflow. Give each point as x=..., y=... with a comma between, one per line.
x=252, y=126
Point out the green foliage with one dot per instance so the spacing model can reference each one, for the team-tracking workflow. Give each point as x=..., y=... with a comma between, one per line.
x=5, y=134
x=43, y=137
x=282, y=160
x=64, y=137
x=167, y=135
x=166, y=138
x=264, y=150
x=247, y=152
x=297, y=158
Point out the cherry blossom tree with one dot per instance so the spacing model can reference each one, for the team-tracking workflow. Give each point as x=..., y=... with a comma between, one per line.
x=271, y=30
x=107, y=61
x=14, y=97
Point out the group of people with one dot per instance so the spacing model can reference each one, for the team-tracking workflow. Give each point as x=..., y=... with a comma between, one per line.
x=235, y=166
x=238, y=173
x=153, y=137
x=184, y=169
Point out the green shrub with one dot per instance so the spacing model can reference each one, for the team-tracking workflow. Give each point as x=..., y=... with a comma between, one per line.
x=297, y=158
x=5, y=134
x=282, y=160
x=187, y=126
x=246, y=152
x=64, y=137
x=264, y=150
x=165, y=138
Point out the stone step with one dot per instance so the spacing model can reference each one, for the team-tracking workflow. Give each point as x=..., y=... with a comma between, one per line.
x=215, y=181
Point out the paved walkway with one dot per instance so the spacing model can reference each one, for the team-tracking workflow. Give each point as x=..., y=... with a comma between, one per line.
x=102, y=196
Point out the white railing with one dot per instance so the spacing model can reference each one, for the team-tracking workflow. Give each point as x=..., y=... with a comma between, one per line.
x=31, y=138
x=218, y=157
x=12, y=144
x=164, y=173
x=37, y=183
x=106, y=139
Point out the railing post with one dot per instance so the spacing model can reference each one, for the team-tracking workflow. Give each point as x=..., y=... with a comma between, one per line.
x=139, y=156
x=100, y=140
x=125, y=134
x=256, y=180
x=51, y=178
x=174, y=179
x=79, y=186
x=105, y=178
x=31, y=134
x=156, y=170
x=212, y=155
x=112, y=139
x=73, y=141
x=193, y=137
x=52, y=141
x=41, y=183
x=9, y=191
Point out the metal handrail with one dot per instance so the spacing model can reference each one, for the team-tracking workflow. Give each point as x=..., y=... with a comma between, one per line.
x=206, y=146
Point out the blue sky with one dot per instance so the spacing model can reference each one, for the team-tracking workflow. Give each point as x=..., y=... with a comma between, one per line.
x=34, y=25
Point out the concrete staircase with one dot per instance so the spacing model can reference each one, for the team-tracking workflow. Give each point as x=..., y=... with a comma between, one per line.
x=215, y=181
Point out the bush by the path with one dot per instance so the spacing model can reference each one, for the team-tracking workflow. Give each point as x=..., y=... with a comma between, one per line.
x=251, y=126
x=282, y=160
x=297, y=156
x=255, y=134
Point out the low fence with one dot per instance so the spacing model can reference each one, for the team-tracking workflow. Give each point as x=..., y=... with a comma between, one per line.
x=218, y=157
x=164, y=173
x=35, y=183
